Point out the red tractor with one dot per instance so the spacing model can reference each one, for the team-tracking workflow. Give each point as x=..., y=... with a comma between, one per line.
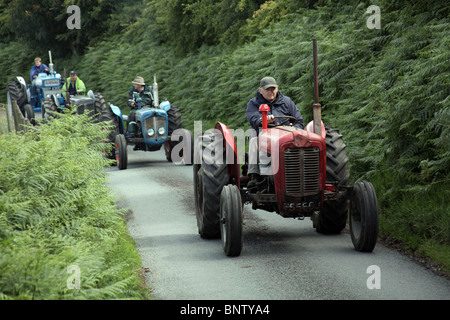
x=309, y=177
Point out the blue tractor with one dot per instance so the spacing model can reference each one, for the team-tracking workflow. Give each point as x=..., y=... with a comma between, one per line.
x=33, y=97
x=155, y=127
x=44, y=96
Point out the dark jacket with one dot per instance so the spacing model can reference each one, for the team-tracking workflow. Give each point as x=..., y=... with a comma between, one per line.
x=282, y=105
x=146, y=96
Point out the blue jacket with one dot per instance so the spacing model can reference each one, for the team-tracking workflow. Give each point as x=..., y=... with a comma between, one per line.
x=35, y=70
x=282, y=105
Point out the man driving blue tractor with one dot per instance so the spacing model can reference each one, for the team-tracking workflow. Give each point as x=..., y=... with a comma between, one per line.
x=139, y=91
x=37, y=68
x=138, y=94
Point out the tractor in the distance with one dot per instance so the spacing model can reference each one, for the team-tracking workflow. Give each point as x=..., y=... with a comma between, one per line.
x=155, y=127
x=44, y=96
x=308, y=177
x=31, y=98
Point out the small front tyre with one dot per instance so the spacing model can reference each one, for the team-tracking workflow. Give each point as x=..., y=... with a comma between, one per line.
x=231, y=220
x=121, y=152
x=364, y=217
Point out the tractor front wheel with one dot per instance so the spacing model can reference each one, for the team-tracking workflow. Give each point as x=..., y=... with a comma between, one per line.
x=364, y=217
x=50, y=107
x=29, y=114
x=121, y=152
x=231, y=220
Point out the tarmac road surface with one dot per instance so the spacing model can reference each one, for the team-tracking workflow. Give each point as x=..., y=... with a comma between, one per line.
x=282, y=259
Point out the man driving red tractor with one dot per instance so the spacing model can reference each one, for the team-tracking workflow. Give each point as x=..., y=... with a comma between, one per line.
x=280, y=105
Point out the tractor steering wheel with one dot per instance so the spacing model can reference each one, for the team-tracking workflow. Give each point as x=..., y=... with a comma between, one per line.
x=289, y=118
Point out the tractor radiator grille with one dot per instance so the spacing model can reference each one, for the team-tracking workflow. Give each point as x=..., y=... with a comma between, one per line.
x=301, y=171
x=155, y=123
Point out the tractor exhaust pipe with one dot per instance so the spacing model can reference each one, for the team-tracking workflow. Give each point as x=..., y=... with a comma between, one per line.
x=317, y=108
x=51, y=62
x=155, y=92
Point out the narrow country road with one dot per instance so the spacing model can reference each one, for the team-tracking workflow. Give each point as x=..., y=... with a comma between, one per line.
x=282, y=259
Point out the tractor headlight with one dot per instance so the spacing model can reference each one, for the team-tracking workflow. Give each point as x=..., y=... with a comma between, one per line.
x=151, y=132
x=161, y=131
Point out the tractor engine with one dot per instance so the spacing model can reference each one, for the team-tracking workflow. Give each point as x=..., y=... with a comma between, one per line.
x=298, y=170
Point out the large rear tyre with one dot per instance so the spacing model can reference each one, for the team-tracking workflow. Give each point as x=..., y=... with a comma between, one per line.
x=175, y=122
x=333, y=217
x=180, y=149
x=209, y=179
x=231, y=220
x=107, y=116
x=121, y=152
x=17, y=92
x=364, y=217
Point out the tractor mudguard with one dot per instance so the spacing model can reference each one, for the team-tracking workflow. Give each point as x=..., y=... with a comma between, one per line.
x=310, y=128
x=116, y=110
x=234, y=167
x=165, y=105
x=118, y=113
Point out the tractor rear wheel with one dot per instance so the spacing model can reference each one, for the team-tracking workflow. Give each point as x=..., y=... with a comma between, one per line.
x=17, y=93
x=231, y=220
x=184, y=140
x=174, y=118
x=364, y=217
x=210, y=176
x=333, y=217
x=121, y=152
x=105, y=114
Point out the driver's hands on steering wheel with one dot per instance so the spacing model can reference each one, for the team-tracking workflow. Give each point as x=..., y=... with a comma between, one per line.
x=270, y=118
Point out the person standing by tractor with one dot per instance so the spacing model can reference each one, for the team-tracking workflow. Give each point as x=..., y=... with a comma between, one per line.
x=280, y=105
x=74, y=85
x=141, y=91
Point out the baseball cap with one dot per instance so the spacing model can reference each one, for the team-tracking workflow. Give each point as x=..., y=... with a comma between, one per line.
x=267, y=82
x=73, y=72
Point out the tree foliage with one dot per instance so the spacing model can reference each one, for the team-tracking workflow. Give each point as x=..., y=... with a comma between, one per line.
x=43, y=24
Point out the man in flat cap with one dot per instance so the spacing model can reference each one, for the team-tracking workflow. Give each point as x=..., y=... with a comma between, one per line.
x=280, y=105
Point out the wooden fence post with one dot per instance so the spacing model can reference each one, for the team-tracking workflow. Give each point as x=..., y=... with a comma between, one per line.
x=20, y=122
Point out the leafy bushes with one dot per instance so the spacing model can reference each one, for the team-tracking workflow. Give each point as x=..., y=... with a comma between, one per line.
x=56, y=212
